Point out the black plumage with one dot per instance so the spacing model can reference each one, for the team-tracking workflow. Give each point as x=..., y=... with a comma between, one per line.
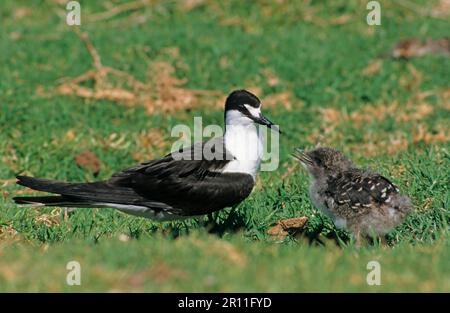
x=193, y=181
x=175, y=186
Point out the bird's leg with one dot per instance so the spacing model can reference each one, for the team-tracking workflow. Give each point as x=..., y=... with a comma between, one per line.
x=233, y=209
x=340, y=241
x=383, y=241
x=210, y=219
x=68, y=212
x=358, y=239
x=231, y=214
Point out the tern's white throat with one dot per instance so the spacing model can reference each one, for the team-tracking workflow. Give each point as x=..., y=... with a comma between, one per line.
x=244, y=141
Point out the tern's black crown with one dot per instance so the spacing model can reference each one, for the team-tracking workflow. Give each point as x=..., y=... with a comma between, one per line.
x=238, y=98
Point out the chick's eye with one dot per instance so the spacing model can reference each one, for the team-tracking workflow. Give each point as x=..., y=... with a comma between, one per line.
x=318, y=161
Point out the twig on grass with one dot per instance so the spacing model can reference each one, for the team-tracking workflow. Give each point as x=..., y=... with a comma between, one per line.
x=289, y=171
x=125, y=7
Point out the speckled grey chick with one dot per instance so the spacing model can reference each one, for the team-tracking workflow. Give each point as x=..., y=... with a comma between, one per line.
x=364, y=202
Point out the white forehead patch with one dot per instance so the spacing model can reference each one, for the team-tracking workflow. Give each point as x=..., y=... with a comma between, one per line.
x=253, y=111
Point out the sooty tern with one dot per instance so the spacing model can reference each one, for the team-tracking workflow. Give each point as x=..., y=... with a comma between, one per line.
x=362, y=201
x=193, y=181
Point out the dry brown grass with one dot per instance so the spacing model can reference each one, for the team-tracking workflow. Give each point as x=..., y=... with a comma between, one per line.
x=10, y=158
x=373, y=68
x=412, y=112
x=7, y=232
x=284, y=99
x=150, y=145
x=49, y=220
x=163, y=92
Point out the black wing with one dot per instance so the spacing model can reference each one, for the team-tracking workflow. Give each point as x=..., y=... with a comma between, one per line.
x=356, y=189
x=189, y=180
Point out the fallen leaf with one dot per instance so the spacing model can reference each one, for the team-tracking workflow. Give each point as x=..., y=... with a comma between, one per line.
x=89, y=161
x=295, y=223
x=277, y=231
x=283, y=228
x=411, y=47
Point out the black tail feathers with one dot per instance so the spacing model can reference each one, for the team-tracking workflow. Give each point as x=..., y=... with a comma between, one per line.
x=76, y=194
x=42, y=184
x=51, y=201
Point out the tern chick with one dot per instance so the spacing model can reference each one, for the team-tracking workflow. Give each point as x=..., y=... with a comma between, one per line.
x=362, y=201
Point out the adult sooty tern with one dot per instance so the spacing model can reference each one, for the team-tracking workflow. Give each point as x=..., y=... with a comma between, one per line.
x=197, y=180
x=363, y=201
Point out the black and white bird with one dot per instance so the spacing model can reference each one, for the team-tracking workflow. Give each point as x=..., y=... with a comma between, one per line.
x=193, y=181
x=362, y=201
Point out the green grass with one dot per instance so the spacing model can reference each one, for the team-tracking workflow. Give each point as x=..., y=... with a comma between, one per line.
x=205, y=263
x=318, y=63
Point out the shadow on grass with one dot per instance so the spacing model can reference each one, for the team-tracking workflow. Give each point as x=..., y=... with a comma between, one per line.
x=217, y=223
x=231, y=222
x=318, y=238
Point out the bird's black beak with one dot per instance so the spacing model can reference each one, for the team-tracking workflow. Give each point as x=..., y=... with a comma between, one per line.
x=261, y=119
